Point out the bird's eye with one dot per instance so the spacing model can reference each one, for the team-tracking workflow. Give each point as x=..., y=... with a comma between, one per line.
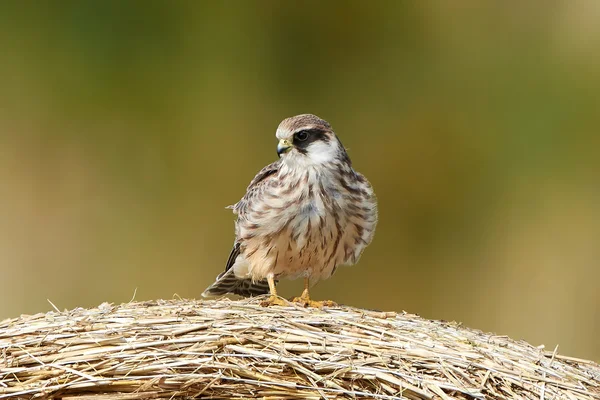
x=301, y=136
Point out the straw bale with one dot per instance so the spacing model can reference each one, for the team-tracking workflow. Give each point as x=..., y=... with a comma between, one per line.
x=225, y=349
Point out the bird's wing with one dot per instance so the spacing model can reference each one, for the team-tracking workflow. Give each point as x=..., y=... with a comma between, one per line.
x=232, y=256
x=264, y=173
x=228, y=282
x=240, y=207
x=255, y=186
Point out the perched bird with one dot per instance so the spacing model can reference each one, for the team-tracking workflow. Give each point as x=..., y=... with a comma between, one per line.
x=302, y=216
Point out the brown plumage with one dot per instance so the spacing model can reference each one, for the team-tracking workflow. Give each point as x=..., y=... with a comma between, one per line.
x=303, y=215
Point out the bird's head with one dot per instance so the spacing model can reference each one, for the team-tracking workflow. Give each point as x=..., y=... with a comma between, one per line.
x=306, y=140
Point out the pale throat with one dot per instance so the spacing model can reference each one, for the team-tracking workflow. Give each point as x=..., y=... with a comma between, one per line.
x=322, y=152
x=325, y=174
x=319, y=154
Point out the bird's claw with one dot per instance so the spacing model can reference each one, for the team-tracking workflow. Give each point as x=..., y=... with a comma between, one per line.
x=307, y=302
x=274, y=301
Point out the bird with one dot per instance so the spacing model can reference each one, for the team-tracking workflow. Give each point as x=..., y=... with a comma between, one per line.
x=302, y=216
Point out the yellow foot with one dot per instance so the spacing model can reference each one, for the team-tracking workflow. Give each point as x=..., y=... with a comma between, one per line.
x=307, y=302
x=274, y=301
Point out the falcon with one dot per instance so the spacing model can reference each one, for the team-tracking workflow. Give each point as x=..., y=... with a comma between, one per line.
x=302, y=216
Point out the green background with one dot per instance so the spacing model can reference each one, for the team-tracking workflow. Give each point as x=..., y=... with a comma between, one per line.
x=127, y=127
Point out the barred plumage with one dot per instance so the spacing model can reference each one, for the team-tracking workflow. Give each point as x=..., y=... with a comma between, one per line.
x=303, y=215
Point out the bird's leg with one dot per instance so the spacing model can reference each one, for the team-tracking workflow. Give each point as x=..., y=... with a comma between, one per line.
x=305, y=295
x=273, y=300
x=305, y=300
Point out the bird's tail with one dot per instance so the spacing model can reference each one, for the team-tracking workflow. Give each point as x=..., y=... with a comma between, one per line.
x=227, y=282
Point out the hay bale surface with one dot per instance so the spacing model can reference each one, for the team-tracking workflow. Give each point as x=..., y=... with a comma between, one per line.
x=237, y=349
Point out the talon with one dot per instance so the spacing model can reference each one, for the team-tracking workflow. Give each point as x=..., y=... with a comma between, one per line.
x=328, y=303
x=301, y=301
x=274, y=301
x=307, y=302
x=321, y=304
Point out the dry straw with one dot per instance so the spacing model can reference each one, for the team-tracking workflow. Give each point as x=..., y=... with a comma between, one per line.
x=237, y=349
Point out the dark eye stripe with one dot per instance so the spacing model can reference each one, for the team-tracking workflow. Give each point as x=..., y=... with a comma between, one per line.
x=313, y=136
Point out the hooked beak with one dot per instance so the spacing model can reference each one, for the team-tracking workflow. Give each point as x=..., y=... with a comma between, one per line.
x=283, y=147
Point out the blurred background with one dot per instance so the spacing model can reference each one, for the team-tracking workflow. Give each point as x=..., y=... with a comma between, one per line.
x=127, y=127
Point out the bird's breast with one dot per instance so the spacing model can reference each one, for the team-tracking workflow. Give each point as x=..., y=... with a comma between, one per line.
x=302, y=227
